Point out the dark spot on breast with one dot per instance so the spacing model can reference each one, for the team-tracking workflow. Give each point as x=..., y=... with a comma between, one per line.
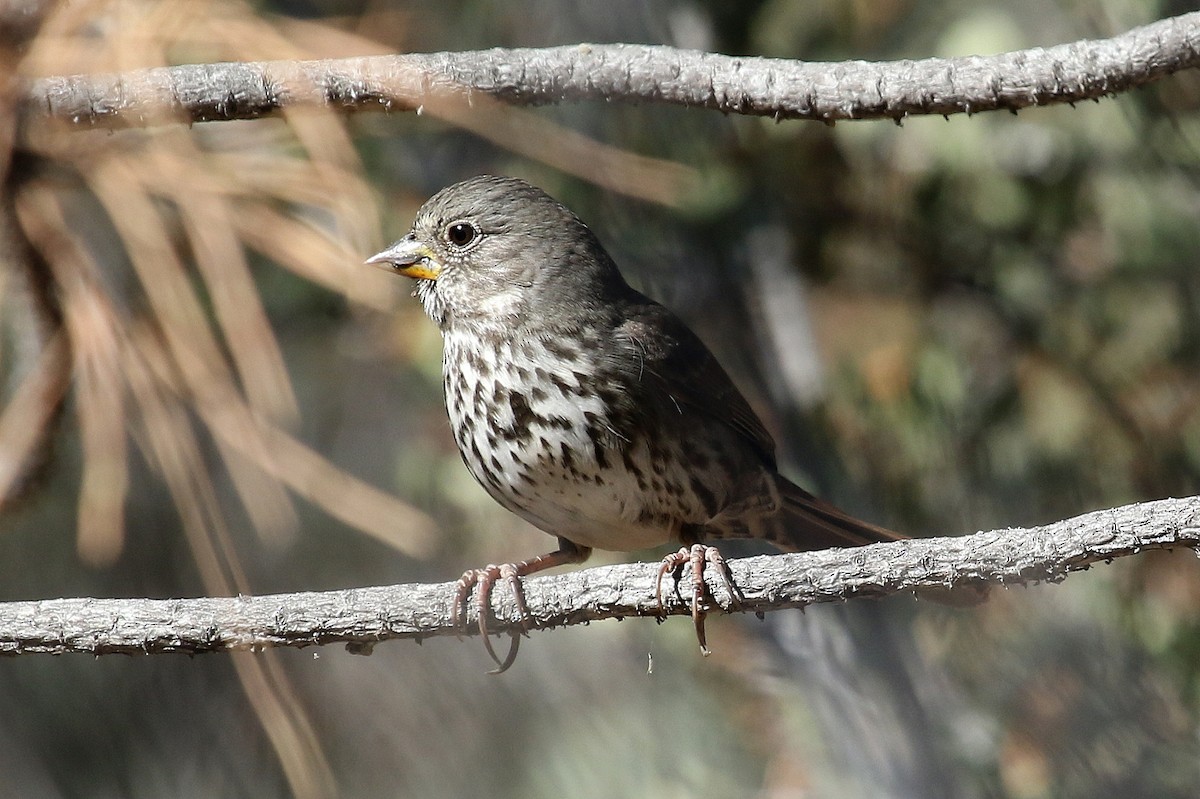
x=647, y=516
x=560, y=349
x=658, y=457
x=522, y=414
x=564, y=388
x=631, y=465
x=602, y=438
x=493, y=480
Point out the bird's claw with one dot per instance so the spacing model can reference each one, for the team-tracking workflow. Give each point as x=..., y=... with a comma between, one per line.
x=483, y=580
x=486, y=577
x=699, y=556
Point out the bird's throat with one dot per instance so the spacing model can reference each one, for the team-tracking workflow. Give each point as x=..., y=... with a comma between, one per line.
x=431, y=301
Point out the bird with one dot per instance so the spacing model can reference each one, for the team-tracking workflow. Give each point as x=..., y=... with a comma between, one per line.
x=587, y=408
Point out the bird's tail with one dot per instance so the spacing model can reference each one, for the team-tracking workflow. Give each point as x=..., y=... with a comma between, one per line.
x=805, y=522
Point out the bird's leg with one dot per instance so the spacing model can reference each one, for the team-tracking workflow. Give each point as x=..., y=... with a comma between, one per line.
x=485, y=579
x=699, y=556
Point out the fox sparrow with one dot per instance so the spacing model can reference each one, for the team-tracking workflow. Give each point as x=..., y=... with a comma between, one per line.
x=585, y=407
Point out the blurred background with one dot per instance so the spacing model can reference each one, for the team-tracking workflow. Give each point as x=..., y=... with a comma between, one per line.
x=950, y=325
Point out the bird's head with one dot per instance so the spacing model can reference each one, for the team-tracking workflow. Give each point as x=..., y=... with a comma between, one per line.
x=488, y=249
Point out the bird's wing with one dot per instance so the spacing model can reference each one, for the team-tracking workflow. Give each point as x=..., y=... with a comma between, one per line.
x=669, y=354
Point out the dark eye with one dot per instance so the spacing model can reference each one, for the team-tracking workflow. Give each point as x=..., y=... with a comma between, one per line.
x=461, y=234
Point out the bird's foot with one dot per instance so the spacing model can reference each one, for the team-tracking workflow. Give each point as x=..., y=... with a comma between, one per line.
x=699, y=557
x=483, y=580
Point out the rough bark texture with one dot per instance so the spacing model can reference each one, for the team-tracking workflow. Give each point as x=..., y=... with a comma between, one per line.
x=784, y=89
x=362, y=617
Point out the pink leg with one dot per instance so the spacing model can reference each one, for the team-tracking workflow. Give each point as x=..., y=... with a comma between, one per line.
x=512, y=573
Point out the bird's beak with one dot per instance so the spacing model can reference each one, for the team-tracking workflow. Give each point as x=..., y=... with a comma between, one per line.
x=410, y=258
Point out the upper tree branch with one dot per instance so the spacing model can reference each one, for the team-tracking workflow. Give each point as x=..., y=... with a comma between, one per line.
x=778, y=88
x=362, y=617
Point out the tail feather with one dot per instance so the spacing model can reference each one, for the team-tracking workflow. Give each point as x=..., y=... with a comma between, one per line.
x=806, y=522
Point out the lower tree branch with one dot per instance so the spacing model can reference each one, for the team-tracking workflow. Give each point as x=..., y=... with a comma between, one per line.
x=362, y=617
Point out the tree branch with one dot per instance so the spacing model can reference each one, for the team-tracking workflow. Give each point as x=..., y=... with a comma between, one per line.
x=362, y=617
x=783, y=89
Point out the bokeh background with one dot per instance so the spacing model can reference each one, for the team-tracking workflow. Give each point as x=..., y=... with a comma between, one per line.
x=951, y=325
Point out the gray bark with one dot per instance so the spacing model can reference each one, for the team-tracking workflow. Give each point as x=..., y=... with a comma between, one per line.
x=783, y=89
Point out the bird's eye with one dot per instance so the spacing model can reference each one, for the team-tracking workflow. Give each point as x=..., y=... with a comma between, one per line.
x=461, y=234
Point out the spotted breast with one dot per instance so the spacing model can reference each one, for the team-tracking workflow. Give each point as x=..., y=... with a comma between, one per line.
x=547, y=430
